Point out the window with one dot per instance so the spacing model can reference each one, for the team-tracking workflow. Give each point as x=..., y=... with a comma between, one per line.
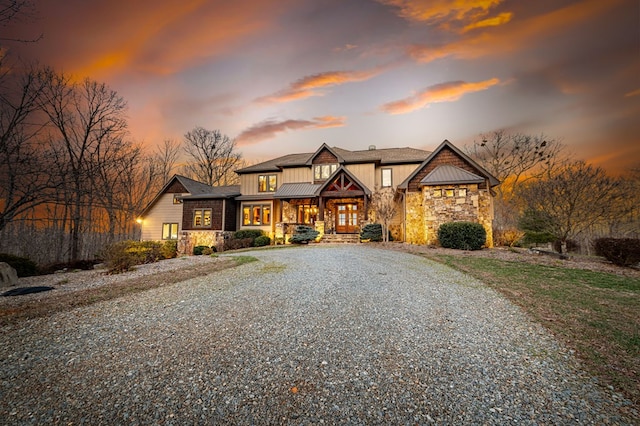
x=202, y=218
x=169, y=231
x=437, y=193
x=448, y=192
x=462, y=192
x=267, y=183
x=323, y=171
x=307, y=214
x=256, y=214
x=177, y=199
x=386, y=178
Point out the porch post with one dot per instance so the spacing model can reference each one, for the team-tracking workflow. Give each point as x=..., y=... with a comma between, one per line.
x=366, y=209
x=320, y=208
x=280, y=204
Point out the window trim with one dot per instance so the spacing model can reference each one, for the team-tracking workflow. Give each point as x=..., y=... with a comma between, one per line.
x=390, y=170
x=261, y=214
x=202, y=215
x=318, y=170
x=267, y=185
x=170, y=234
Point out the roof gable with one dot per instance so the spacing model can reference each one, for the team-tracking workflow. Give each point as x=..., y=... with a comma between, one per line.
x=324, y=154
x=336, y=183
x=461, y=160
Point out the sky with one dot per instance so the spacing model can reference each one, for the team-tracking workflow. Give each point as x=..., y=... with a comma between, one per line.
x=285, y=76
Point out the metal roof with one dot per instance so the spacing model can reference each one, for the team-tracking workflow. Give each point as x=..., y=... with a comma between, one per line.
x=449, y=175
x=216, y=192
x=297, y=190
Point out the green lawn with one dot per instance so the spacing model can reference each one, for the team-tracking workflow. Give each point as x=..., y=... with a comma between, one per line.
x=595, y=313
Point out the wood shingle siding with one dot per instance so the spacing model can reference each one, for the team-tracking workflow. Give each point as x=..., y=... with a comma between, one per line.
x=445, y=156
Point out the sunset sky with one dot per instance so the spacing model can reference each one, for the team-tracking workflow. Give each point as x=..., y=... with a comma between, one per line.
x=284, y=76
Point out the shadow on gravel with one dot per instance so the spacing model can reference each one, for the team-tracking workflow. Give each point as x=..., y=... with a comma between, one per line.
x=26, y=290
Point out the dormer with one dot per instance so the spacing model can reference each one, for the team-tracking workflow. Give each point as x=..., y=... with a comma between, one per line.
x=324, y=162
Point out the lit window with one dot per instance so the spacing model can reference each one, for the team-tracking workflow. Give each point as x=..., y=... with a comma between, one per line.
x=323, y=171
x=177, y=199
x=267, y=183
x=256, y=214
x=462, y=192
x=437, y=193
x=169, y=231
x=201, y=217
x=386, y=178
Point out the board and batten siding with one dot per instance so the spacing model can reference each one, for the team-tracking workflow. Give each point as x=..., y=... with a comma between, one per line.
x=399, y=173
x=296, y=174
x=163, y=211
x=365, y=174
x=249, y=182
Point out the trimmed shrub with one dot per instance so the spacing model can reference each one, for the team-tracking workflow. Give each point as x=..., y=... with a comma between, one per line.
x=24, y=267
x=169, y=249
x=462, y=235
x=261, y=241
x=247, y=233
x=371, y=232
x=238, y=243
x=620, y=251
x=199, y=250
x=303, y=234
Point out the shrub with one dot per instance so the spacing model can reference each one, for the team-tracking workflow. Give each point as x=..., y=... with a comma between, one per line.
x=303, y=234
x=371, y=232
x=207, y=251
x=247, y=233
x=261, y=241
x=620, y=251
x=238, y=243
x=123, y=255
x=199, y=250
x=534, y=237
x=462, y=235
x=169, y=249
x=507, y=237
x=24, y=267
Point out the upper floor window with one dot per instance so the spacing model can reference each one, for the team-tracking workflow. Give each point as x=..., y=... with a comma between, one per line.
x=386, y=178
x=323, y=171
x=177, y=199
x=267, y=183
x=202, y=218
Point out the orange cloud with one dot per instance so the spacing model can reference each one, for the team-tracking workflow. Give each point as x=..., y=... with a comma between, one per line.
x=444, y=92
x=501, y=19
x=632, y=93
x=310, y=85
x=506, y=39
x=433, y=11
x=268, y=129
x=171, y=36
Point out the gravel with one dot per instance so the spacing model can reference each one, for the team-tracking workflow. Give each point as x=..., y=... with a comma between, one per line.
x=310, y=335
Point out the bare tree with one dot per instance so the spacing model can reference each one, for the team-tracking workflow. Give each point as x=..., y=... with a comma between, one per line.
x=85, y=117
x=571, y=200
x=165, y=157
x=13, y=11
x=384, y=208
x=515, y=158
x=212, y=157
x=25, y=173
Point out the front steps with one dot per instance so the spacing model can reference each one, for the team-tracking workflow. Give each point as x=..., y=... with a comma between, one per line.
x=340, y=238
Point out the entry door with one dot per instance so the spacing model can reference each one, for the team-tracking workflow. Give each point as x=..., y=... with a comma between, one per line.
x=347, y=219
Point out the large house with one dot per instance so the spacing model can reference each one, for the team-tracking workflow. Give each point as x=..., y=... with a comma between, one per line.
x=329, y=189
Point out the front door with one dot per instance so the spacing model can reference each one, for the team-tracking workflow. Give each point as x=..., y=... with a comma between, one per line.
x=347, y=219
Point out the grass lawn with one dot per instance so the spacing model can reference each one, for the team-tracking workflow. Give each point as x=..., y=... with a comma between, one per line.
x=595, y=313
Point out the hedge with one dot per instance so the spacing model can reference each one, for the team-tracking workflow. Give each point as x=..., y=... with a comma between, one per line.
x=462, y=235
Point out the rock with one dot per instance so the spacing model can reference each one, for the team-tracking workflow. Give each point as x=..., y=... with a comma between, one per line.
x=8, y=275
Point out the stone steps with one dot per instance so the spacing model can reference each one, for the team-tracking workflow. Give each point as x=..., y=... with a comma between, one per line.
x=340, y=238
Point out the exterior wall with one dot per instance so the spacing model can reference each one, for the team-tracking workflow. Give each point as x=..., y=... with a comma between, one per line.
x=163, y=211
x=325, y=157
x=297, y=174
x=425, y=213
x=365, y=174
x=231, y=215
x=191, y=205
x=189, y=239
x=249, y=182
x=268, y=229
x=398, y=174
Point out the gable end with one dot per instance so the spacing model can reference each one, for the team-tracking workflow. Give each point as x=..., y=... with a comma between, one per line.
x=446, y=156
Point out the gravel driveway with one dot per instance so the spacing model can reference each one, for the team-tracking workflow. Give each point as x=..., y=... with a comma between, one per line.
x=309, y=335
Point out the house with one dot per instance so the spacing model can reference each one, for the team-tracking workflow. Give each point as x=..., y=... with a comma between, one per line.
x=330, y=189
x=190, y=212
